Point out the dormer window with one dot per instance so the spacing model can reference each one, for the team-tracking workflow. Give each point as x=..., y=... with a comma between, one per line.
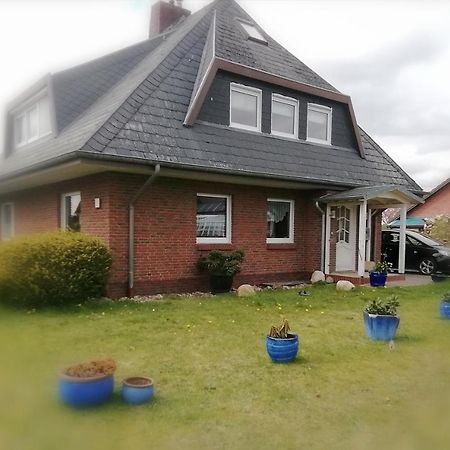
x=245, y=107
x=319, y=124
x=252, y=32
x=284, y=116
x=32, y=122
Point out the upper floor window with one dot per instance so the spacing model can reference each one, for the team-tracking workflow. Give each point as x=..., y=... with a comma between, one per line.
x=32, y=122
x=280, y=221
x=245, y=107
x=7, y=221
x=252, y=32
x=284, y=116
x=71, y=211
x=319, y=124
x=213, y=219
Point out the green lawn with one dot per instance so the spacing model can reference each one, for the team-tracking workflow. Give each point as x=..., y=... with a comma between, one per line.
x=215, y=386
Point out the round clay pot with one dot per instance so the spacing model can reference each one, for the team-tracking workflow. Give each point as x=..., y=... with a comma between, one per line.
x=282, y=350
x=85, y=392
x=137, y=390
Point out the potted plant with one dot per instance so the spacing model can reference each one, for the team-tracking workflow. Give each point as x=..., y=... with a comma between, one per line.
x=137, y=390
x=379, y=273
x=444, y=307
x=87, y=384
x=221, y=266
x=282, y=346
x=380, y=318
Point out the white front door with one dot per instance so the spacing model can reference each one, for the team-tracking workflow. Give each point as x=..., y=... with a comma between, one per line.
x=345, y=238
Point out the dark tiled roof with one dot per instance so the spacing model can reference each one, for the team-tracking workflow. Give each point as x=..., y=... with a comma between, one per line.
x=76, y=89
x=232, y=44
x=140, y=117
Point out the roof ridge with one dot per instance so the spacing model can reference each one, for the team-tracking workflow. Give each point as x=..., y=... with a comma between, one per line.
x=106, y=56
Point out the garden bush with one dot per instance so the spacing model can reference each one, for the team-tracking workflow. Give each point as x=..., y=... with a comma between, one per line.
x=58, y=268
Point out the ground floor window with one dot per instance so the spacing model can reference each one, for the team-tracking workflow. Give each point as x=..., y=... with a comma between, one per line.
x=213, y=218
x=71, y=211
x=7, y=221
x=280, y=221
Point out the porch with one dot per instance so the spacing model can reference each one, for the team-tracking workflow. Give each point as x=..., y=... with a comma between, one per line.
x=352, y=232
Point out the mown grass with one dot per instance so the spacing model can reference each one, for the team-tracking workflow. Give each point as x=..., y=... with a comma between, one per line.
x=215, y=386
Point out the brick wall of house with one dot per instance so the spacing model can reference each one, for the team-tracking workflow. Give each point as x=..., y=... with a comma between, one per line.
x=166, y=249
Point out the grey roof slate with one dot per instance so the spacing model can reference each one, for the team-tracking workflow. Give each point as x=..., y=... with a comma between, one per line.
x=232, y=44
x=139, y=117
x=76, y=89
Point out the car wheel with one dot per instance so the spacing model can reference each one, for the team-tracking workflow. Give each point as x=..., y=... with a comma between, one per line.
x=427, y=266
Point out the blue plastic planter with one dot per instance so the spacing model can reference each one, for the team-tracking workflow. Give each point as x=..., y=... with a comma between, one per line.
x=444, y=308
x=282, y=350
x=137, y=390
x=381, y=328
x=377, y=279
x=85, y=392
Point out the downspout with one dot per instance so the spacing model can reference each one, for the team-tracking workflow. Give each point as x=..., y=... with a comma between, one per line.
x=132, y=202
x=322, y=239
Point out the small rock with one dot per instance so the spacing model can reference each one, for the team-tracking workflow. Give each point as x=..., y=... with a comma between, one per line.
x=245, y=290
x=317, y=276
x=329, y=279
x=343, y=285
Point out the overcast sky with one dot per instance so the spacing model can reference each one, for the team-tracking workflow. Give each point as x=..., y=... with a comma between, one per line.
x=392, y=57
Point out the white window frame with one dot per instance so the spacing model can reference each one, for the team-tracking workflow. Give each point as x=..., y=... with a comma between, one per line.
x=324, y=110
x=258, y=35
x=22, y=112
x=287, y=101
x=290, y=239
x=228, y=221
x=4, y=237
x=248, y=90
x=63, y=208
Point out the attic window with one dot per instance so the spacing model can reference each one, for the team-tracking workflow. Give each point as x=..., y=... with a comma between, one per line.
x=245, y=107
x=319, y=124
x=252, y=32
x=32, y=121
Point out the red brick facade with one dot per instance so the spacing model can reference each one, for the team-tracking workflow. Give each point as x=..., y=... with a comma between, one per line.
x=166, y=249
x=435, y=205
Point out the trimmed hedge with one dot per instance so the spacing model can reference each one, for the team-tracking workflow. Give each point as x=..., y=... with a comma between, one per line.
x=57, y=268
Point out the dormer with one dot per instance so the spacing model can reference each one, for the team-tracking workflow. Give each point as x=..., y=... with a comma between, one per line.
x=30, y=118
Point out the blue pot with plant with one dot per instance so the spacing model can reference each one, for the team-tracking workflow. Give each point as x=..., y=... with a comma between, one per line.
x=378, y=275
x=87, y=384
x=281, y=345
x=381, y=320
x=137, y=390
x=444, y=307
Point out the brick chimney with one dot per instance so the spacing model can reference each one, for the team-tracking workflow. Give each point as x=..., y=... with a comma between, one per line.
x=166, y=14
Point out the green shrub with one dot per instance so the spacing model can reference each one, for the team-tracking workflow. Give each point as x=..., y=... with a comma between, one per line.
x=222, y=263
x=53, y=269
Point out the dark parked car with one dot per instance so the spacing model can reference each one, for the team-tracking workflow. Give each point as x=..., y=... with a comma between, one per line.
x=422, y=253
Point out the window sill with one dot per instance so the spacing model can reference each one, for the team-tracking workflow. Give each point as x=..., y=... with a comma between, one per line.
x=208, y=247
x=287, y=246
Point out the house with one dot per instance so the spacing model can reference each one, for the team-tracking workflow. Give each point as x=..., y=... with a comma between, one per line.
x=436, y=203
x=208, y=135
